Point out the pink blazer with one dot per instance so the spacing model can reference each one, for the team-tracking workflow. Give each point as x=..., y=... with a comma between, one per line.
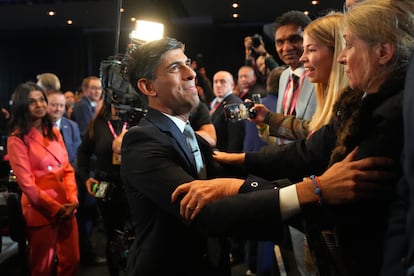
x=44, y=175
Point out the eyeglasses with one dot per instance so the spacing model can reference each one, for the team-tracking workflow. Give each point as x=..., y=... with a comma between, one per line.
x=292, y=40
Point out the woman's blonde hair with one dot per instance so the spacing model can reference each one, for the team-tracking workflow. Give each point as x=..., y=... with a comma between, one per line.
x=328, y=31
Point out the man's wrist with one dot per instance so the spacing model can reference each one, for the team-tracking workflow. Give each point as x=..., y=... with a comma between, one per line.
x=306, y=193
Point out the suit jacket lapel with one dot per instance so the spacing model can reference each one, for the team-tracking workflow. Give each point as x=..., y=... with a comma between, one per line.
x=304, y=97
x=53, y=148
x=220, y=109
x=64, y=129
x=167, y=126
x=282, y=87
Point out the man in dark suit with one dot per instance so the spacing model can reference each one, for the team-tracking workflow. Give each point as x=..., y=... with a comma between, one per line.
x=248, y=84
x=230, y=135
x=156, y=159
x=399, y=242
x=84, y=110
x=68, y=128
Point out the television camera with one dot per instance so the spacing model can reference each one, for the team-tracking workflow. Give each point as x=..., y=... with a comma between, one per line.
x=129, y=104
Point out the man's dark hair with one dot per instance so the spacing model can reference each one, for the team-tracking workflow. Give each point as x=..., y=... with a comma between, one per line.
x=145, y=59
x=292, y=17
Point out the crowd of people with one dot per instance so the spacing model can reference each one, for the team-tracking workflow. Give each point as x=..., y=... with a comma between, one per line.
x=313, y=180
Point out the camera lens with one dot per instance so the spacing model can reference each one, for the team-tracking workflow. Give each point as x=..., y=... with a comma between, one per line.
x=256, y=40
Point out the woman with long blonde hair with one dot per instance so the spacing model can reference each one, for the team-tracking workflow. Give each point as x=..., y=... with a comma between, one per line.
x=322, y=44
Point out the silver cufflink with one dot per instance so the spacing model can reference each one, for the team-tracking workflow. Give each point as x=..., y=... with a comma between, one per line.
x=254, y=184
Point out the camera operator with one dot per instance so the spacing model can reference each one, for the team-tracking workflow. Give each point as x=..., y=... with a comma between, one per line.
x=203, y=83
x=106, y=183
x=257, y=56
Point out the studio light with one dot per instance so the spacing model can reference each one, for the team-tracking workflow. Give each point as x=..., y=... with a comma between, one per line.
x=147, y=31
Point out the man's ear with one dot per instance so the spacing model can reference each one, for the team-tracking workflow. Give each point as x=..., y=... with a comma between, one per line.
x=147, y=88
x=385, y=52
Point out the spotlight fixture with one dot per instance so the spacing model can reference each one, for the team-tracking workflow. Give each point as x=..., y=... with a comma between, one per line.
x=235, y=15
x=306, y=12
x=51, y=13
x=147, y=31
x=315, y=2
x=69, y=22
x=235, y=5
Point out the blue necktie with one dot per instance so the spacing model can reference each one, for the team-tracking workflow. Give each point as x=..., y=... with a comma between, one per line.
x=195, y=150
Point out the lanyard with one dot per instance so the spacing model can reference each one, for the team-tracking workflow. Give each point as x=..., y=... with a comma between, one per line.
x=111, y=128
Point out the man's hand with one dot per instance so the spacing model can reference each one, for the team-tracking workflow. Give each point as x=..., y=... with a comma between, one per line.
x=349, y=181
x=88, y=183
x=198, y=193
x=248, y=44
x=6, y=113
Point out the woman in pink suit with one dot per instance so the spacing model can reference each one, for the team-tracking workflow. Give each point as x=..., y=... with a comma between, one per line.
x=39, y=160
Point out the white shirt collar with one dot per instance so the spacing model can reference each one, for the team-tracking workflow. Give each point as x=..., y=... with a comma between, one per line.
x=220, y=99
x=57, y=123
x=177, y=121
x=298, y=71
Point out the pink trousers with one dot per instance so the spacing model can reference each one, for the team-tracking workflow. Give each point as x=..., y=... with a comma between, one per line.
x=58, y=239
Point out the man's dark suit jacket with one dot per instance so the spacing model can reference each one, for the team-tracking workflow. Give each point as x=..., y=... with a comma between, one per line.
x=257, y=88
x=156, y=160
x=71, y=137
x=399, y=241
x=230, y=135
x=83, y=114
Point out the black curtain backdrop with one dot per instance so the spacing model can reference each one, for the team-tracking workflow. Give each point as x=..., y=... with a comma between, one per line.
x=73, y=54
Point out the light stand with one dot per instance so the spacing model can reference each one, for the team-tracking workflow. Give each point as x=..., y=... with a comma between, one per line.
x=117, y=26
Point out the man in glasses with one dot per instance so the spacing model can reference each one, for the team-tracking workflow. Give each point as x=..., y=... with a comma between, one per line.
x=84, y=110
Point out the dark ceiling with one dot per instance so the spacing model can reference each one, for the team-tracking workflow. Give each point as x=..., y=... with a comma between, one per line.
x=33, y=42
x=102, y=14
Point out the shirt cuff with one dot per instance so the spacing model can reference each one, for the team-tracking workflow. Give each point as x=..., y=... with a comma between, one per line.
x=289, y=202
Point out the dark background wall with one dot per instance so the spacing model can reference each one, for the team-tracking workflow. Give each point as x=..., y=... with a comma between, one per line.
x=73, y=54
x=32, y=42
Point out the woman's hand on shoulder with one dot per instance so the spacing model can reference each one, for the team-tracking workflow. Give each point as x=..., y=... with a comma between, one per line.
x=229, y=158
